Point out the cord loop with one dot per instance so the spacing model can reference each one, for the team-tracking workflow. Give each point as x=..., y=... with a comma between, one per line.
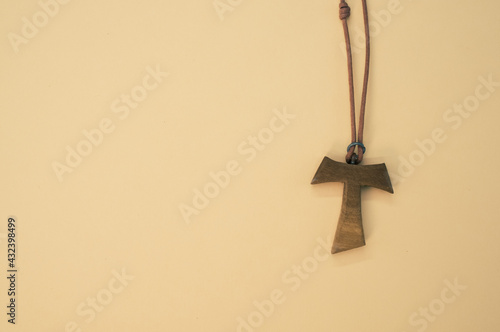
x=345, y=11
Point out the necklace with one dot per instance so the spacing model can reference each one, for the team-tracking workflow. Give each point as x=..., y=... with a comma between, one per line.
x=350, y=234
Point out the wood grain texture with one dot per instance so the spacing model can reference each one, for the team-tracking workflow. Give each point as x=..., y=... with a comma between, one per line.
x=350, y=234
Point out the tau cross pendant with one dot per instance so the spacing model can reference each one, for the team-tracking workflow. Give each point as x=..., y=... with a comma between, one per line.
x=350, y=234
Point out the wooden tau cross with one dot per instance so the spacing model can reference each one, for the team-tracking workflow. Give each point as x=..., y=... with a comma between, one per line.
x=350, y=234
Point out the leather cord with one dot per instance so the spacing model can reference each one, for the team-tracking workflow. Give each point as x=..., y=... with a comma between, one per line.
x=351, y=156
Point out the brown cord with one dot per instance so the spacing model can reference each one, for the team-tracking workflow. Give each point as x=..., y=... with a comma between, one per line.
x=345, y=12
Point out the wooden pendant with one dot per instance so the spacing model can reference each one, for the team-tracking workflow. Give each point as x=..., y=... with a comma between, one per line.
x=350, y=234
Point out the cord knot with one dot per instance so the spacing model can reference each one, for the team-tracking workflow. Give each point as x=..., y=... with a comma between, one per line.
x=345, y=10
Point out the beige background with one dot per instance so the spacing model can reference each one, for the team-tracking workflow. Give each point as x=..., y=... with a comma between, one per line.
x=119, y=210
